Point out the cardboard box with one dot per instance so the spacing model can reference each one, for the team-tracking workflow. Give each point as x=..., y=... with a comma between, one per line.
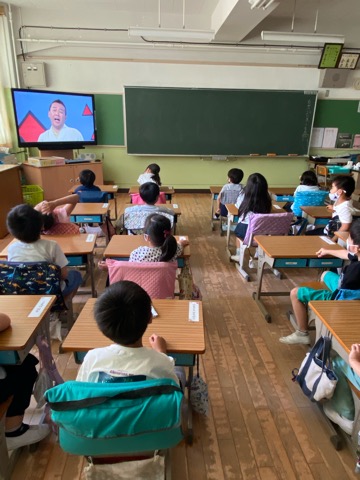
x=45, y=161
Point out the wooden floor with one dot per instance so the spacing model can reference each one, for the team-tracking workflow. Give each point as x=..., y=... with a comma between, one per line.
x=260, y=425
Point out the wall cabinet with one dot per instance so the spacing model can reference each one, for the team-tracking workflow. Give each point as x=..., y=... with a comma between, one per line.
x=56, y=181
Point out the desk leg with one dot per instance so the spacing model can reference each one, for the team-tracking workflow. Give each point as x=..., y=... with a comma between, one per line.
x=257, y=295
x=190, y=433
x=175, y=223
x=230, y=219
x=91, y=271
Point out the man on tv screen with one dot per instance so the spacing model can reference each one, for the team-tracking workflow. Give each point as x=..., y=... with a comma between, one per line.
x=59, y=132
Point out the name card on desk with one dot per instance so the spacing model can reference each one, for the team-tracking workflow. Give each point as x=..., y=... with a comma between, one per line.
x=39, y=307
x=193, y=312
x=90, y=237
x=327, y=240
x=105, y=205
x=175, y=205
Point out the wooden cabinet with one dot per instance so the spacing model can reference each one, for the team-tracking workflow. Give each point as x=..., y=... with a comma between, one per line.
x=56, y=181
x=10, y=193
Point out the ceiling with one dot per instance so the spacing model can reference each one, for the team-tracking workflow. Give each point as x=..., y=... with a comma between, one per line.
x=233, y=20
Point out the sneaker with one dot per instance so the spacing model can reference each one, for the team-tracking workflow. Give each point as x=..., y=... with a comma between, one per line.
x=296, y=338
x=35, y=434
x=344, y=423
x=253, y=263
x=235, y=258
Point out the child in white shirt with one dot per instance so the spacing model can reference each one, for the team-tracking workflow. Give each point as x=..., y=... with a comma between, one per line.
x=151, y=174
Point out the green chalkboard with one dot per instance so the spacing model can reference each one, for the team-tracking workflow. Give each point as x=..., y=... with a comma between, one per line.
x=342, y=114
x=183, y=121
x=109, y=119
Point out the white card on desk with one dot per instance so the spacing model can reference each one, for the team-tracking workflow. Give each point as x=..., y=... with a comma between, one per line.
x=327, y=240
x=115, y=187
x=193, y=312
x=90, y=238
x=154, y=312
x=277, y=206
x=182, y=238
x=39, y=307
x=175, y=205
x=105, y=205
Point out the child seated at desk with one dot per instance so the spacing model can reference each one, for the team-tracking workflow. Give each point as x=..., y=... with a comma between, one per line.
x=342, y=188
x=18, y=381
x=254, y=198
x=151, y=174
x=56, y=215
x=87, y=179
x=230, y=191
x=308, y=183
x=123, y=313
x=25, y=224
x=349, y=279
x=135, y=216
x=162, y=245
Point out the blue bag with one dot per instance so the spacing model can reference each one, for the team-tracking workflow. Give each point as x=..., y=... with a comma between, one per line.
x=108, y=418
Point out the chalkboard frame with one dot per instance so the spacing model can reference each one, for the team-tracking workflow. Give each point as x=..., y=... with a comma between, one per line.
x=151, y=108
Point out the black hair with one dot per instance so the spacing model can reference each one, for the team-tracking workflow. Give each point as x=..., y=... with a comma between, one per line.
x=158, y=227
x=58, y=101
x=48, y=221
x=123, y=312
x=309, y=178
x=354, y=232
x=149, y=192
x=346, y=183
x=256, y=196
x=155, y=170
x=25, y=223
x=87, y=178
x=235, y=175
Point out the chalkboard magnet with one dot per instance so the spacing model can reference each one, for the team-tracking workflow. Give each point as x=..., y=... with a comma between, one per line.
x=271, y=154
x=254, y=154
x=292, y=154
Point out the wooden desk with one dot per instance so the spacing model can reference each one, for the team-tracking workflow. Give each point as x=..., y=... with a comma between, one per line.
x=317, y=215
x=282, y=194
x=290, y=252
x=233, y=216
x=214, y=191
x=109, y=189
x=174, y=208
x=89, y=213
x=169, y=191
x=120, y=247
x=341, y=320
x=79, y=250
x=17, y=341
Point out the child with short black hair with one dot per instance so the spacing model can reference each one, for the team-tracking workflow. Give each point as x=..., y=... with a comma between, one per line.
x=308, y=182
x=123, y=313
x=87, y=179
x=25, y=224
x=18, y=381
x=230, y=191
x=350, y=280
x=342, y=188
x=163, y=246
x=151, y=174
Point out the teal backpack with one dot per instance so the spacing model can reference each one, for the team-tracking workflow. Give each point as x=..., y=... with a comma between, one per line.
x=114, y=418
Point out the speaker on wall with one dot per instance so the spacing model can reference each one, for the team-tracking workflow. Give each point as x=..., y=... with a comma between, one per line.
x=333, y=78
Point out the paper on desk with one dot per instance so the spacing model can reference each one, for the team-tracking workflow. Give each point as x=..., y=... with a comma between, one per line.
x=182, y=238
x=105, y=205
x=175, y=205
x=193, y=312
x=90, y=237
x=39, y=307
x=277, y=206
x=115, y=187
x=327, y=240
x=154, y=312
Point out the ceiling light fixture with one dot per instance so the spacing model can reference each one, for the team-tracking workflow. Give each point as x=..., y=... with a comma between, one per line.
x=301, y=38
x=172, y=34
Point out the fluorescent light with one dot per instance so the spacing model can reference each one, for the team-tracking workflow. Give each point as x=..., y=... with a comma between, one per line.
x=172, y=34
x=294, y=37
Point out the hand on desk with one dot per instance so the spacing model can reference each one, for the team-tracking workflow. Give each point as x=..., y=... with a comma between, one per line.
x=158, y=343
x=334, y=253
x=354, y=357
x=183, y=242
x=323, y=251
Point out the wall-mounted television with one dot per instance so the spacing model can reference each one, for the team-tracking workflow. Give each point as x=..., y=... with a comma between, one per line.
x=54, y=120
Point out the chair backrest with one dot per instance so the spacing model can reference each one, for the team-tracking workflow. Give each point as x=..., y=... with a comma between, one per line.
x=135, y=220
x=93, y=197
x=137, y=200
x=116, y=418
x=31, y=278
x=307, y=199
x=267, y=224
x=157, y=278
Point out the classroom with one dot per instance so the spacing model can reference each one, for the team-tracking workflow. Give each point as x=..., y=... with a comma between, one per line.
x=259, y=425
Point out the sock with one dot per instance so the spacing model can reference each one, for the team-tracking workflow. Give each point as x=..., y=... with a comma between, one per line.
x=19, y=431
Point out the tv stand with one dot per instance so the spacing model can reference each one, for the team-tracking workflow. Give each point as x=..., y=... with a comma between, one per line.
x=69, y=153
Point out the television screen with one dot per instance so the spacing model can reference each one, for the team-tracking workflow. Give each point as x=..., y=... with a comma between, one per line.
x=54, y=120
